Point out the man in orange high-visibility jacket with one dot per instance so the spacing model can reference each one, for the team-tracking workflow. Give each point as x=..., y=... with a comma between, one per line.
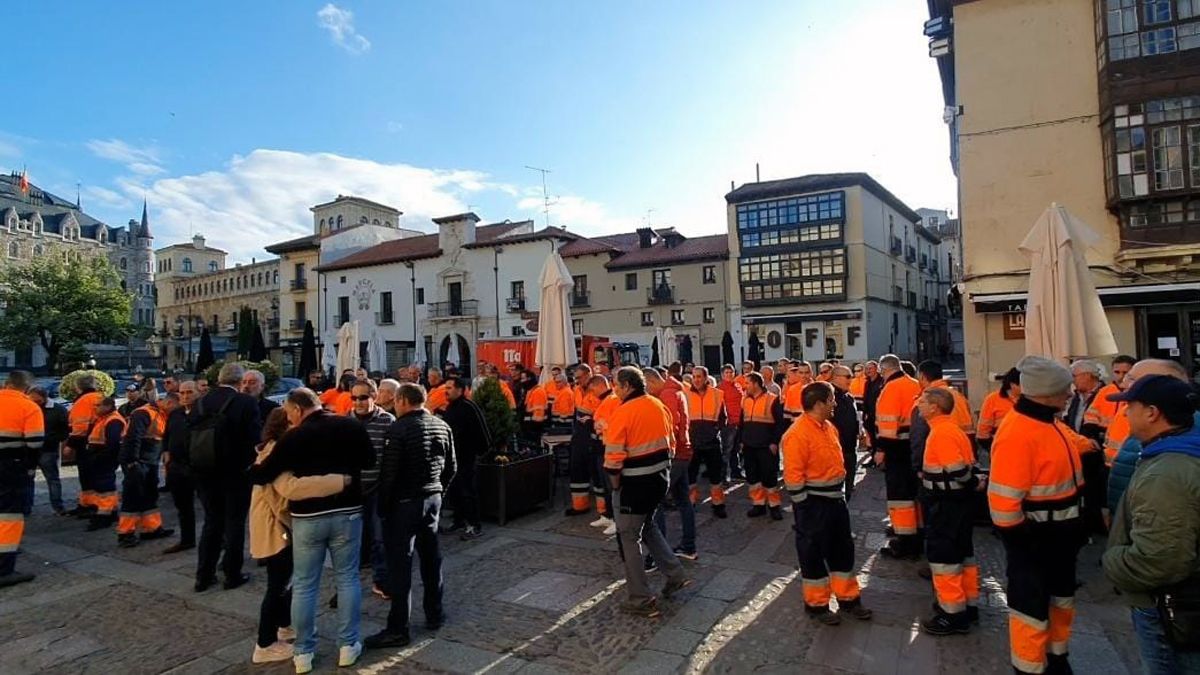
x=740, y=380
x=948, y=476
x=436, y=399
x=707, y=420
x=637, y=457
x=858, y=383
x=1035, y=490
x=1101, y=417
x=762, y=426
x=792, y=393
x=893, y=413
x=21, y=433
x=814, y=472
x=562, y=408
x=580, y=448
x=104, y=450
x=80, y=419
x=140, y=452
x=606, y=403
x=537, y=406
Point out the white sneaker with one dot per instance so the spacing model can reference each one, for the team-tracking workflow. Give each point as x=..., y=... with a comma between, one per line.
x=602, y=521
x=280, y=651
x=285, y=634
x=611, y=529
x=303, y=663
x=348, y=655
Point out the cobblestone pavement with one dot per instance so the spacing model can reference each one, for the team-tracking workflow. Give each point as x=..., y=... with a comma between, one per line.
x=537, y=596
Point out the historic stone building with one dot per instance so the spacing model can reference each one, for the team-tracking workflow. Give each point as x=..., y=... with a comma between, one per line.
x=35, y=223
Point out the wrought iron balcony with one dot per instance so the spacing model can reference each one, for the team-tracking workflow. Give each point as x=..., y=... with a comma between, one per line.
x=581, y=298
x=298, y=284
x=297, y=324
x=454, y=310
x=516, y=304
x=385, y=318
x=660, y=295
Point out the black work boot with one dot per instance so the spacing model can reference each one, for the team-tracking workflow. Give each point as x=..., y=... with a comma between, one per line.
x=855, y=609
x=823, y=615
x=942, y=623
x=127, y=540
x=776, y=513
x=719, y=511
x=756, y=511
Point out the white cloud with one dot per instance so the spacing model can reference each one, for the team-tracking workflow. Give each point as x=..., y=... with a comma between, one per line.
x=578, y=214
x=141, y=160
x=106, y=197
x=265, y=196
x=340, y=24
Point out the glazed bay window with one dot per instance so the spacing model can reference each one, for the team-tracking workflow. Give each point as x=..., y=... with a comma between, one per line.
x=1171, y=129
x=1168, y=158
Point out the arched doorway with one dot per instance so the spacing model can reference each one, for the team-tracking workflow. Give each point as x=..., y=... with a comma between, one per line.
x=464, y=354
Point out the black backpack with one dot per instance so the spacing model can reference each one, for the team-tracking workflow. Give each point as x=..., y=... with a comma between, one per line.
x=202, y=437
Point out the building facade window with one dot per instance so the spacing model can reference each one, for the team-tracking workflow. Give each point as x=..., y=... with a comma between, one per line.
x=710, y=315
x=647, y=318
x=1168, y=158
x=124, y=264
x=577, y=326
x=385, y=307
x=212, y=265
x=708, y=274
x=677, y=317
x=631, y=281
x=187, y=264
x=420, y=296
x=517, y=290
x=14, y=250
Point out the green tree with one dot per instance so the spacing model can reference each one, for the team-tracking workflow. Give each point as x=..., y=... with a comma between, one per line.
x=245, y=332
x=54, y=303
x=499, y=417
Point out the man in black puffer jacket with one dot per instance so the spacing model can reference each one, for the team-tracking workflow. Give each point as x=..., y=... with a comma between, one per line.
x=418, y=464
x=471, y=439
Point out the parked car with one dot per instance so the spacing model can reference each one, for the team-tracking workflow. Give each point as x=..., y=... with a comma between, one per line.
x=282, y=388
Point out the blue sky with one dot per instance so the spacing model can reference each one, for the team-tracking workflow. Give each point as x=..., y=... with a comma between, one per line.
x=234, y=117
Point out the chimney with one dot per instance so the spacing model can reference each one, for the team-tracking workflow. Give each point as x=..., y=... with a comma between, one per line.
x=456, y=231
x=645, y=237
x=198, y=241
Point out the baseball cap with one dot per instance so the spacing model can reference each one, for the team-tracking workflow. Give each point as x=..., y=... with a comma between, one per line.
x=1161, y=391
x=132, y=387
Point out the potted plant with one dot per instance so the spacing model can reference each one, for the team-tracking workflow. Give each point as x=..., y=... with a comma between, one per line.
x=510, y=481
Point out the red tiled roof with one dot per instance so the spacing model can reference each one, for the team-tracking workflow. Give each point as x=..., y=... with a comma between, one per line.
x=411, y=248
x=627, y=253
x=539, y=235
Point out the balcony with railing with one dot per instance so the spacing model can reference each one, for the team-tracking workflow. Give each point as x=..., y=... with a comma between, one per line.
x=897, y=246
x=581, y=298
x=912, y=299
x=910, y=254
x=897, y=295
x=515, y=305
x=924, y=262
x=385, y=318
x=298, y=284
x=662, y=294
x=454, y=309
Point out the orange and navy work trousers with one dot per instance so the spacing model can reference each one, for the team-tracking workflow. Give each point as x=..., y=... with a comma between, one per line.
x=951, y=552
x=713, y=459
x=902, y=487
x=87, y=491
x=601, y=485
x=826, y=551
x=100, y=466
x=579, y=474
x=139, y=499
x=762, y=475
x=14, y=485
x=1041, y=592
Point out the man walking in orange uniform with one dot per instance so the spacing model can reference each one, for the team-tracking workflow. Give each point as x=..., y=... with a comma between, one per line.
x=21, y=431
x=893, y=413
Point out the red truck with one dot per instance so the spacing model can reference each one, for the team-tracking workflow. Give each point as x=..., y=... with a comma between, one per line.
x=595, y=350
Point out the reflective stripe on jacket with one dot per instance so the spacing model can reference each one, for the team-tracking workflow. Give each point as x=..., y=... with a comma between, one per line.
x=536, y=404
x=22, y=427
x=1102, y=411
x=813, y=465
x=99, y=436
x=893, y=411
x=83, y=413
x=995, y=407
x=706, y=414
x=637, y=439
x=763, y=422
x=949, y=458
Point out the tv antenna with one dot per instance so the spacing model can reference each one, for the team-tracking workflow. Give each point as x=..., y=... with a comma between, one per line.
x=545, y=193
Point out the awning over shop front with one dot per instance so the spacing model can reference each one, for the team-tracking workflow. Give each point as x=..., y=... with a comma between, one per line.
x=832, y=315
x=1111, y=296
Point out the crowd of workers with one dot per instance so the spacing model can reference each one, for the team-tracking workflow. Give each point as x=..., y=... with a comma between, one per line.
x=1055, y=456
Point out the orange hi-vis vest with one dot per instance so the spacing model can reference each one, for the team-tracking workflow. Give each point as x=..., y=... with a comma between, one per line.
x=536, y=404
x=962, y=408
x=758, y=420
x=995, y=408
x=793, y=400
x=948, y=459
x=562, y=408
x=638, y=437
x=813, y=465
x=603, y=414
x=706, y=416
x=858, y=386
x=21, y=425
x=552, y=389
x=1115, y=436
x=893, y=411
x=1103, y=411
x=83, y=413
x=98, y=437
x=146, y=448
x=436, y=400
x=1036, y=471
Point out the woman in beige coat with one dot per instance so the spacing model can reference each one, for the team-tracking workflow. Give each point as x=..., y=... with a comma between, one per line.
x=270, y=541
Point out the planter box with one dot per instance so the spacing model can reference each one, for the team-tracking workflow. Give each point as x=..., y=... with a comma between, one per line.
x=514, y=489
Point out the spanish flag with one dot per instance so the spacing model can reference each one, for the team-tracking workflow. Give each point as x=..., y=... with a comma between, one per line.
x=24, y=182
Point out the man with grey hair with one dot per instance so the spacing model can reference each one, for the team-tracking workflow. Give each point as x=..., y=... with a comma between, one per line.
x=254, y=384
x=386, y=399
x=221, y=480
x=1087, y=375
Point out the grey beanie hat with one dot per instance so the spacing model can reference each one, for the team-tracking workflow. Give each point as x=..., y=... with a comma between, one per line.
x=1041, y=376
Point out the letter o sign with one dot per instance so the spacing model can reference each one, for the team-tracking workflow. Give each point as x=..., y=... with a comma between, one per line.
x=774, y=339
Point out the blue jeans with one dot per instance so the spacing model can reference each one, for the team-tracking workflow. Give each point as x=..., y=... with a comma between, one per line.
x=679, y=492
x=1158, y=656
x=341, y=535
x=48, y=463
x=372, y=545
